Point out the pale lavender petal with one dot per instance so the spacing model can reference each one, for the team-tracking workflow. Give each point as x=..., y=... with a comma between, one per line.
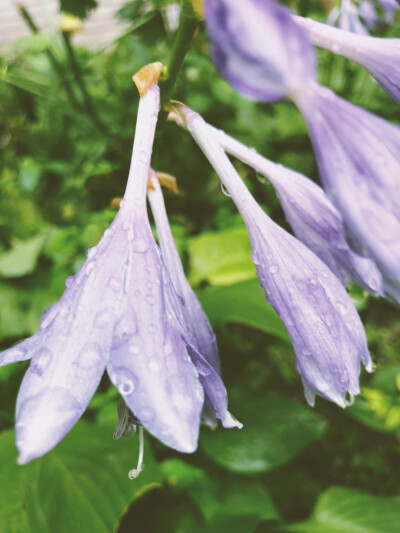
x=323, y=324
x=361, y=177
x=22, y=351
x=67, y=366
x=149, y=362
x=313, y=217
x=381, y=57
x=258, y=49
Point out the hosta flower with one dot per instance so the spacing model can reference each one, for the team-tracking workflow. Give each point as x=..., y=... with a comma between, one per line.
x=381, y=57
x=358, y=157
x=197, y=329
x=323, y=324
x=120, y=312
x=314, y=219
x=258, y=48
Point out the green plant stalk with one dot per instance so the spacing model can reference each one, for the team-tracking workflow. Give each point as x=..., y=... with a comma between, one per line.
x=187, y=27
x=77, y=72
x=58, y=67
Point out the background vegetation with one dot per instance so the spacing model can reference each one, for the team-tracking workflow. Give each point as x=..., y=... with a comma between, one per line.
x=66, y=130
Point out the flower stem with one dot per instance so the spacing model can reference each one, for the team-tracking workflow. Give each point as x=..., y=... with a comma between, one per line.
x=187, y=27
x=77, y=71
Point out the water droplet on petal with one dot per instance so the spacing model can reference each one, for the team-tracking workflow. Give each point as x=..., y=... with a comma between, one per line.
x=69, y=282
x=134, y=349
x=274, y=269
x=150, y=299
x=342, y=308
x=146, y=414
x=91, y=252
x=140, y=246
x=104, y=318
x=48, y=316
x=225, y=191
x=306, y=352
x=40, y=361
x=125, y=381
x=154, y=365
x=115, y=284
x=143, y=156
x=203, y=370
x=90, y=356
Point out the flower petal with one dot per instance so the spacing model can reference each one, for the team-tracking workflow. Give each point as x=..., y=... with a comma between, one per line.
x=149, y=363
x=68, y=364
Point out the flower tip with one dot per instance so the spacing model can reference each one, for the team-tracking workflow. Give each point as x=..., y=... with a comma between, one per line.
x=147, y=76
x=168, y=181
x=230, y=421
x=135, y=472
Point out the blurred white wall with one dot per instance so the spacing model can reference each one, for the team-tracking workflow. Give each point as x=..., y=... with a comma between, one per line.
x=98, y=29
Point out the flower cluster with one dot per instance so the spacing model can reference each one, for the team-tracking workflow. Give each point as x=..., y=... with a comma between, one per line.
x=130, y=310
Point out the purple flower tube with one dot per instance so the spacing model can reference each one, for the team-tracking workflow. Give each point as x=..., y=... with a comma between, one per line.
x=323, y=324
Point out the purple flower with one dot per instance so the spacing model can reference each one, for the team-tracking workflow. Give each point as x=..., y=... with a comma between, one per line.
x=314, y=219
x=358, y=157
x=323, y=324
x=197, y=329
x=381, y=57
x=258, y=48
x=117, y=313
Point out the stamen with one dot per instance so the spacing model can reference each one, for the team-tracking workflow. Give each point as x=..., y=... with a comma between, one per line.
x=134, y=473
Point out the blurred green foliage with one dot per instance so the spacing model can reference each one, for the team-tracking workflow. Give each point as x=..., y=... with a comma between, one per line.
x=291, y=468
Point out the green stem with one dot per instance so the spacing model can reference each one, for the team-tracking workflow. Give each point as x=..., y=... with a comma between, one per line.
x=58, y=67
x=77, y=71
x=187, y=27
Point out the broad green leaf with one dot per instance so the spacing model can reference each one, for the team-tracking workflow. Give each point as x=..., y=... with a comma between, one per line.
x=22, y=258
x=221, y=258
x=275, y=430
x=243, y=303
x=81, y=485
x=219, y=498
x=342, y=510
x=378, y=406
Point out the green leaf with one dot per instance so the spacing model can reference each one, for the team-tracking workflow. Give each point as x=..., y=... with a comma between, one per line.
x=22, y=258
x=81, y=485
x=275, y=430
x=242, y=303
x=342, y=510
x=221, y=258
x=219, y=498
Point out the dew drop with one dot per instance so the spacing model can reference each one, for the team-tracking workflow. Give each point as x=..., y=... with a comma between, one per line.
x=306, y=352
x=90, y=356
x=149, y=285
x=41, y=361
x=115, y=284
x=124, y=380
x=104, y=318
x=91, y=252
x=89, y=268
x=69, y=282
x=144, y=158
x=154, y=366
x=146, y=414
x=203, y=370
x=48, y=316
x=225, y=191
x=140, y=246
x=274, y=269
x=150, y=299
x=342, y=309
x=134, y=349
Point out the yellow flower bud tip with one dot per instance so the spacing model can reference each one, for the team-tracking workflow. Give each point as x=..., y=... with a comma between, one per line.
x=168, y=181
x=150, y=186
x=115, y=203
x=70, y=24
x=198, y=8
x=146, y=76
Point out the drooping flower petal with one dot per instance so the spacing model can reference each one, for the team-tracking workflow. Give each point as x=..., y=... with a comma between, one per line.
x=258, y=48
x=314, y=219
x=381, y=57
x=358, y=159
x=321, y=319
x=149, y=363
x=202, y=345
